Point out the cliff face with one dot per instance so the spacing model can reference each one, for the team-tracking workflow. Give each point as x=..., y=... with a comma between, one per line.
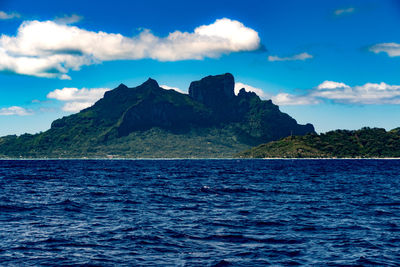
x=124, y=113
x=215, y=92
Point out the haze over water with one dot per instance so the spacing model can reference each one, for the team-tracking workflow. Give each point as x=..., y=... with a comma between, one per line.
x=199, y=212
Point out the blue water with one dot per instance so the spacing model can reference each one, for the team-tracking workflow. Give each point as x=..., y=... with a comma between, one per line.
x=199, y=212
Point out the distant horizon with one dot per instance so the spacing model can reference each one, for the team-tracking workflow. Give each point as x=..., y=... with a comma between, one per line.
x=333, y=64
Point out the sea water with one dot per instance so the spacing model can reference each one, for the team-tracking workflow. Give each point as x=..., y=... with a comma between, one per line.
x=199, y=212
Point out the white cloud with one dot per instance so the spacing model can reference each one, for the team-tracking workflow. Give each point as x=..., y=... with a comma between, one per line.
x=77, y=99
x=14, y=110
x=4, y=15
x=285, y=99
x=369, y=93
x=337, y=92
x=76, y=106
x=48, y=49
x=281, y=99
x=301, y=56
x=331, y=85
x=68, y=19
x=75, y=94
x=166, y=87
x=250, y=88
x=344, y=11
x=392, y=49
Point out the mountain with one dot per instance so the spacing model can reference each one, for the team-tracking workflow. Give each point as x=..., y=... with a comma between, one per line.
x=149, y=121
x=363, y=143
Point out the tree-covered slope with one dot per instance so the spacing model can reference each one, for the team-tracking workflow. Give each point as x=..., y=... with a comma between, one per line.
x=366, y=143
x=149, y=121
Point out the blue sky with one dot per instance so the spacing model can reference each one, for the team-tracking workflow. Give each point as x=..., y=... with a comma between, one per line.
x=335, y=64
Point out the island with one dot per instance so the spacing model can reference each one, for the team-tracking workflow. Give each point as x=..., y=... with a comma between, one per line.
x=364, y=143
x=148, y=121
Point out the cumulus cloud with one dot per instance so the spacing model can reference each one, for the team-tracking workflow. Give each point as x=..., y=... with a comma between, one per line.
x=337, y=92
x=77, y=99
x=166, y=87
x=301, y=56
x=14, y=110
x=369, y=93
x=76, y=106
x=331, y=85
x=68, y=19
x=75, y=94
x=343, y=11
x=285, y=99
x=250, y=88
x=50, y=49
x=392, y=49
x=4, y=15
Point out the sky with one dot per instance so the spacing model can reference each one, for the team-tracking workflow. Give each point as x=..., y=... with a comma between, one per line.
x=335, y=64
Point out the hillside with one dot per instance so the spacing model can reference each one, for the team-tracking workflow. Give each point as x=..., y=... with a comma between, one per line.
x=364, y=143
x=149, y=121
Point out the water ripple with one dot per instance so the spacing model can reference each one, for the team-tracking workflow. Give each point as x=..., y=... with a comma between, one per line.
x=199, y=212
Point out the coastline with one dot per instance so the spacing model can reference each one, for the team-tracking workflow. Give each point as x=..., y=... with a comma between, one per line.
x=149, y=159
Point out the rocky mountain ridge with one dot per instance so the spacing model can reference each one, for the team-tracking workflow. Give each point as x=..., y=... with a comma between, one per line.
x=115, y=122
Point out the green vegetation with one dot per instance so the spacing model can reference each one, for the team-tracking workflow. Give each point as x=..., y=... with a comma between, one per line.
x=363, y=143
x=153, y=143
x=150, y=122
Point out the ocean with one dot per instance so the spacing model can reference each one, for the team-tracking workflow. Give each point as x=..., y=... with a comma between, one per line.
x=199, y=212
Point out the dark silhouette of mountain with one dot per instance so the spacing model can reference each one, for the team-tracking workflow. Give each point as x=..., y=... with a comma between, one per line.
x=149, y=121
x=363, y=143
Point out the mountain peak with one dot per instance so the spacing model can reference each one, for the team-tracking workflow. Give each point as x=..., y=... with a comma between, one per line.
x=213, y=90
x=146, y=120
x=244, y=94
x=122, y=86
x=151, y=82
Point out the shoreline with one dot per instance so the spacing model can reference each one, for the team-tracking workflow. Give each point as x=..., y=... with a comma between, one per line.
x=333, y=158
